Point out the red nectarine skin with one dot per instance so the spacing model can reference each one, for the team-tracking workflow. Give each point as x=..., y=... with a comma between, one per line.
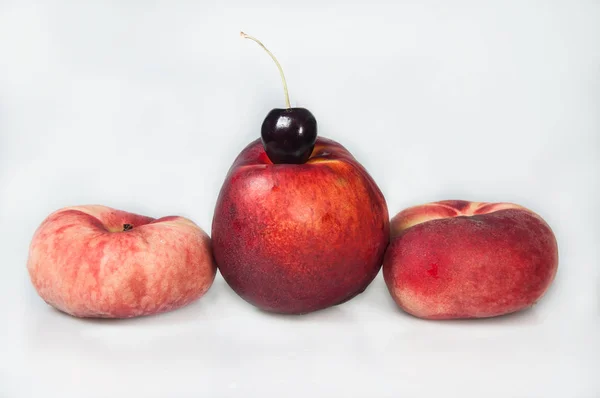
x=299, y=238
x=459, y=259
x=83, y=263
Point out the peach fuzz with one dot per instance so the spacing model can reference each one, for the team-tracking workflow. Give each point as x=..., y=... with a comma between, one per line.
x=95, y=261
x=459, y=259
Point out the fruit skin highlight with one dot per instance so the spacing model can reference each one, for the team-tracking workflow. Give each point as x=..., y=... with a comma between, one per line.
x=296, y=238
x=95, y=261
x=458, y=259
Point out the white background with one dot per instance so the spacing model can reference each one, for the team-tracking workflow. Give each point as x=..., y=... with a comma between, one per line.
x=143, y=107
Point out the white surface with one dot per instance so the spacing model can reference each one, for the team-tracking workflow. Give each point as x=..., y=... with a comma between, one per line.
x=143, y=107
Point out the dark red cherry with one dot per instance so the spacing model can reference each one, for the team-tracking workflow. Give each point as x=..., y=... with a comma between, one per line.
x=289, y=135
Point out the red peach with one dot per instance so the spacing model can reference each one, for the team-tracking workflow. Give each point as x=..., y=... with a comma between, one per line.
x=296, y=238
x=459, y=259
x=94, y=261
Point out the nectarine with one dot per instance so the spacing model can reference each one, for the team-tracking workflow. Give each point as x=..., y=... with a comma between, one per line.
x=296, y=238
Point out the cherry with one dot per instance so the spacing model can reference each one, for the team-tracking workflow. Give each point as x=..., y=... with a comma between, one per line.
x=288, y=135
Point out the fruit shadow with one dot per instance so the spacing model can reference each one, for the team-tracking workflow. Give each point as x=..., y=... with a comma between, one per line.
x=53, y=332
x=335, y=314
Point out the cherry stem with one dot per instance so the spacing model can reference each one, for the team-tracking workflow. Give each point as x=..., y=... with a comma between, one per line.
x=285, y=89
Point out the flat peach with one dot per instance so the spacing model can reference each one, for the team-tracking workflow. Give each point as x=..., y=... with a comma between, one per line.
x=94, y=261
x=459, y=259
